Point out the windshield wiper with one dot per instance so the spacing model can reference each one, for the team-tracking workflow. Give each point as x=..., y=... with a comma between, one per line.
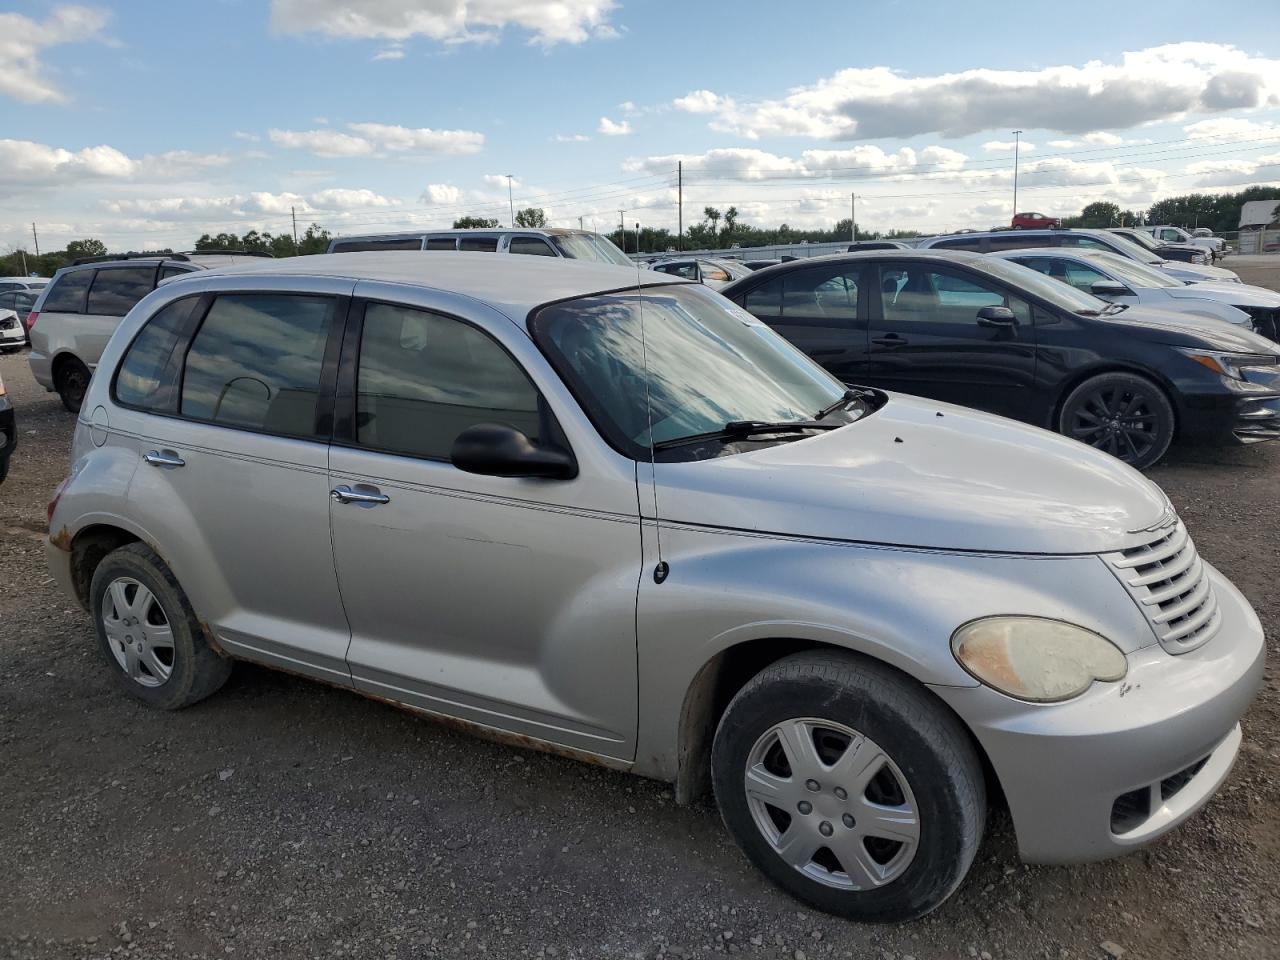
x=741, y=429
x=846, y=398
x=1115, y=308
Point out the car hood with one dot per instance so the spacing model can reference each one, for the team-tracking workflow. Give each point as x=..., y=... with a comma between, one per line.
x=1237, y=294
x=921, y=474
x=1183, y=330
x=1176, y=267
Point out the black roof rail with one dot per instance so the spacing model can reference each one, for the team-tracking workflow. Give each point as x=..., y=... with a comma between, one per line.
x=220, y=250
x=106, y=257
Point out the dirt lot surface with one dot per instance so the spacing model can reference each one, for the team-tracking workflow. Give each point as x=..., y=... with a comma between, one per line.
x=285, y=819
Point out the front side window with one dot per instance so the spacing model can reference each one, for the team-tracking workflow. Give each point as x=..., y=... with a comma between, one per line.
x=1137, y=274
x=915, y=294
x=765, y=301
x=531, y=246
x=708, y=363
x=820, y=295
x=114, y=292
x=255, y=362
x=149, y=373
x=1082, y=276
x=424, y=378
x=590, y=246
x=68, y=292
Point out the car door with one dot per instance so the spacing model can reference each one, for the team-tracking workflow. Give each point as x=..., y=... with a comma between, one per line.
x=229, y=398
x=504, y=602
x=925, y=338
x=820, y=310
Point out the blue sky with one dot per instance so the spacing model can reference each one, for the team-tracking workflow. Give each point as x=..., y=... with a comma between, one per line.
x=147, y=123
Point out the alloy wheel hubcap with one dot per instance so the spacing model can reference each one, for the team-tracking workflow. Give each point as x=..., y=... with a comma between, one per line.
x=832, y=804
x=1120, y=421
x=138, y=632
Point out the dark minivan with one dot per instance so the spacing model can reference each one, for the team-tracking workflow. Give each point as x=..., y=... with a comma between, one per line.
x=994, y=335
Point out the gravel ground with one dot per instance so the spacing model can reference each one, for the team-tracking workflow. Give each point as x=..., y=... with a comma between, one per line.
x=283, y=819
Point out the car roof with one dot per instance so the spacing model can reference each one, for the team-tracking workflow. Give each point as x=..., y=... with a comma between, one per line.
x=514, y=285
x=1048, y=252
x=854, y=256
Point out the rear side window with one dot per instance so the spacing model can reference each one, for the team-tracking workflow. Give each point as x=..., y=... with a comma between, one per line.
x=67, y=295
x=167, y=272
x=1018, y=243
x=765, y=301
x=255, y=363
x=479, y=244
x=959, y=243
x=150, y=371
x=115, y=292
x=353, y=246
x=442, y=243
x=532, y=246
x=424, y=378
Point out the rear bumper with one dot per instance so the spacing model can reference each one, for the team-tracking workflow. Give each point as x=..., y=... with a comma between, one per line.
x=41, y=368
x=1112, y=770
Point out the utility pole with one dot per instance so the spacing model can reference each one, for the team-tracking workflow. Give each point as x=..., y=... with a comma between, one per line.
x=579, y=223
x=622, y=228
x=24, y=262
x=853, y=216
x=1017, y=137
x=680, y=204
x=637, y=236
x=34, y=238
x=294, y=213
x=510, y=202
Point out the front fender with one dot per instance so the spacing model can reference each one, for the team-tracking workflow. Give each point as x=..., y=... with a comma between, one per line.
x=897, y=605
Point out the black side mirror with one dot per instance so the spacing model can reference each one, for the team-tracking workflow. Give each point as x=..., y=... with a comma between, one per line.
x=495, y=450
x=1108, y=288
x=993, y=316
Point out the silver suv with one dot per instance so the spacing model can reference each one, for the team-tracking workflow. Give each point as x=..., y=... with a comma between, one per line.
x=616, y=517
x=81, y=306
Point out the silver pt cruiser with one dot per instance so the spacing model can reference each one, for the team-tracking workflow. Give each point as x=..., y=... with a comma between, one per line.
x=612, y=515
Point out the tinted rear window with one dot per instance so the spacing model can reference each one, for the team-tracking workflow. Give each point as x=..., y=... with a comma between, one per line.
x=114, y=292
x=479, y=244
x=150, y=372
x=67, y=294
x=353, y=246
x=960, y=243
x=442, y=243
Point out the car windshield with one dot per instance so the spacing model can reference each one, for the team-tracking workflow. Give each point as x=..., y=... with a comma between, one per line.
x=585, y=246
x=1057, y=292
x=709, y=363
x=734, y=268
x=1136, y=274
x=1128, y=248
x=1144, y=240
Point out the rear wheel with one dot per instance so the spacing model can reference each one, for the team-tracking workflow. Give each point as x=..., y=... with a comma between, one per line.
x=72, y=382
x=1123, y=414
x=148, y=633
x=849, y=786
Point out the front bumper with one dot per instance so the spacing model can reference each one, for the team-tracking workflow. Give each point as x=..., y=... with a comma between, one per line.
x=1112, y=770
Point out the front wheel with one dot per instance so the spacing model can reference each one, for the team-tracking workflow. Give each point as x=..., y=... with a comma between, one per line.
x=849, y=786
x=1123, y=414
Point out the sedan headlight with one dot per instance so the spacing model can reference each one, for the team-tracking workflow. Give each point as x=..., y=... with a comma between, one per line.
x=1032, y=658
x=1229, y=364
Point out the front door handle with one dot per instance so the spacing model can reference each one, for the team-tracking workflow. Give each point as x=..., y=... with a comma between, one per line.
x=889, y=340
x=361, y=493
x=164, y=458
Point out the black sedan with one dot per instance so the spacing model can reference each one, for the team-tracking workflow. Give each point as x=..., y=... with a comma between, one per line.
x=995, y=335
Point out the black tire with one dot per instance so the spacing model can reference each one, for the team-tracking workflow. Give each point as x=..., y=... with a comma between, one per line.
x=4, y=468
x=925, y=743
x=196, y=670
x=72, y=382
x=1123, y=414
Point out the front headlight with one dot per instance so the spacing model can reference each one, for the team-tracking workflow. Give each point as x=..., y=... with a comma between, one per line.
x=1032, y=658
x=1229, y=364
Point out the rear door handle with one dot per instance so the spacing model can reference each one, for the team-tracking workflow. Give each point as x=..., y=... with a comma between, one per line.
x=164, y=458
x=361, y=493
x=889, y=340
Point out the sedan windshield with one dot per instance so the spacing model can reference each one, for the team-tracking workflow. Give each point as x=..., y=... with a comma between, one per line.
x=702, y=363
x=1057, y=292
x=1135, y=274
x=585, y=246
x=1128, y=248
x=1143, y=240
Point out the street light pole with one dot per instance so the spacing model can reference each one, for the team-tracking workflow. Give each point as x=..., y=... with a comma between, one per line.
x=1017, y=138
x=622, y=228
x=510, y=202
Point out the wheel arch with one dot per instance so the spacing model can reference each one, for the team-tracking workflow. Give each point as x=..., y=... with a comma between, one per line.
x=1115, y=366
x=89, y=547
x=728, y=671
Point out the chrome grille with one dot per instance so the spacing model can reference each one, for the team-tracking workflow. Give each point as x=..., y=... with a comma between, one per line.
x=1168, y=579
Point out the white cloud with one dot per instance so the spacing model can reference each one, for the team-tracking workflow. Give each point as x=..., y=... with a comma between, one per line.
x=447, y=21
x=571, y=138
x=1006, y=146
x=379, y=136
x=500, y=180
x=248, y=205
x=1225, y=173
x=1232, y=129
x=748, y=163
x=22, y=76
x=441, y=193
x=338, y=198
x=627, y=106
x=611, y=129
x=1098, y=138
x=701, y=101
x=23, y=162
x=322, y=143
x=1157, y=83
x=250, y=137
x=392, y=52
